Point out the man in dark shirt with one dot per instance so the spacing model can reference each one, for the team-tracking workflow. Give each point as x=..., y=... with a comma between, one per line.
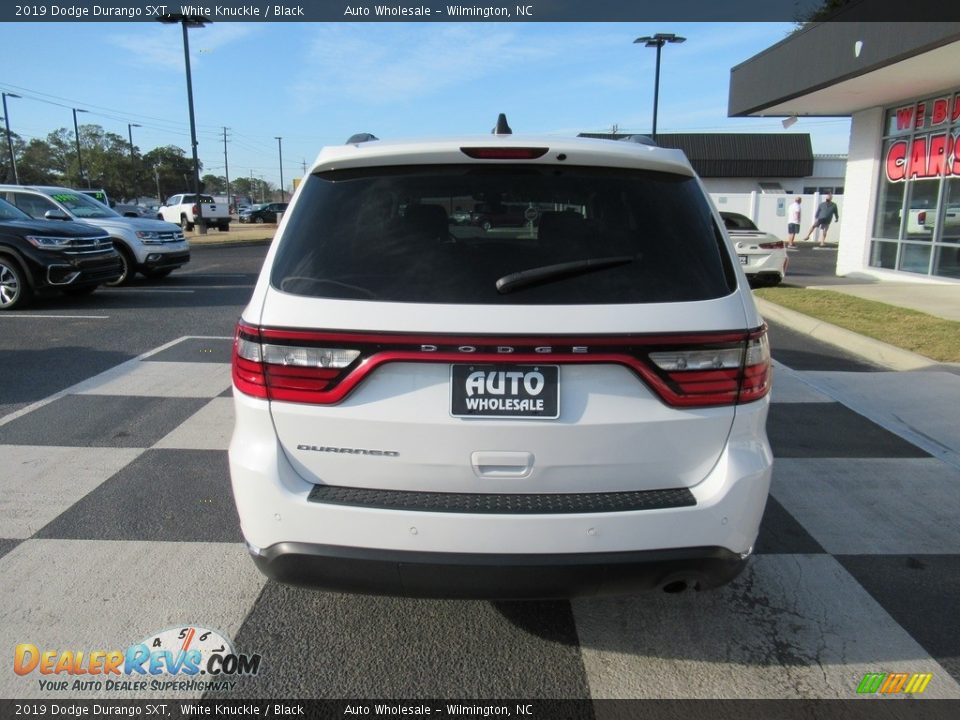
x=826, y=212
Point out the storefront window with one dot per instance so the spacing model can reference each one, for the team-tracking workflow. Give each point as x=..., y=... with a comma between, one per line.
x=883, y=255
x=916, y=226
x=948, y=262
x=951, y=217
x=915, y=258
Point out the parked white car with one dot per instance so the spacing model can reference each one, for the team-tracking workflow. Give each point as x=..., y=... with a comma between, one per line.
x=426, y=409
x=762, y=255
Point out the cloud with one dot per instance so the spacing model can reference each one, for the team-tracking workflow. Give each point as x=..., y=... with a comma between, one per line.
x=379, y=65
x=158, y=46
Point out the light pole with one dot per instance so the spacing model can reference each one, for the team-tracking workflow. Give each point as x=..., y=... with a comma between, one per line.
x=6, y=120
x=283, y=195
x=658, y=41
x=76, y=132
x=133, y=161
x=188, y=21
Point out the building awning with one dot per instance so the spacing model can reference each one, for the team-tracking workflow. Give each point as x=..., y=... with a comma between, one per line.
x=835, y=69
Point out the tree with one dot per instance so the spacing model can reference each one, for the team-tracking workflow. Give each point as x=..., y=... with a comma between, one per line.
x=171, y=169
x=214, y=184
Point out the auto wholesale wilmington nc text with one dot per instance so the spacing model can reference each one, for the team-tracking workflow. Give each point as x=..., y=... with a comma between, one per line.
x=462, y=11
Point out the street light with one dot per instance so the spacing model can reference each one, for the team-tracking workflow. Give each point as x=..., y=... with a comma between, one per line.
x=6, y=120
x=76, y=132
x=283, y=195
x=188, y=21
x=658, y=41
x=133, y=160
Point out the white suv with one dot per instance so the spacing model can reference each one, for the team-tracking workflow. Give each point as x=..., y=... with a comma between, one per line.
x=570, y=404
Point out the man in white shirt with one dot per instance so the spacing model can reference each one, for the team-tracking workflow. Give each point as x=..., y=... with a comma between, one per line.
x=793, y=222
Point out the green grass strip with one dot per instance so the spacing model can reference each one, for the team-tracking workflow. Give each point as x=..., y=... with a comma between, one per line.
x=933, y=337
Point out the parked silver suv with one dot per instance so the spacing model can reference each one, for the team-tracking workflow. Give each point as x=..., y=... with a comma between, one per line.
x=569, y=404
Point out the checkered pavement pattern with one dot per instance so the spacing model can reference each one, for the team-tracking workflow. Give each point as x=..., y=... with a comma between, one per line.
x=117, y=521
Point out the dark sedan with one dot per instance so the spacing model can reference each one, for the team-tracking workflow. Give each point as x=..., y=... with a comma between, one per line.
x=264, y=213
x=41, y=256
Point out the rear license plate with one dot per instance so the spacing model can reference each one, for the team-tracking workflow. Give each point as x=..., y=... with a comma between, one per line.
x=743, y=259
x=505, y=391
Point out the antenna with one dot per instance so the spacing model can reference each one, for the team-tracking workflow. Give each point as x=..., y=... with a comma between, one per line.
x=502, y=128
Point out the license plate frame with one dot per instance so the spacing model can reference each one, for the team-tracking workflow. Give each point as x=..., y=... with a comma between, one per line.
x=513, y=389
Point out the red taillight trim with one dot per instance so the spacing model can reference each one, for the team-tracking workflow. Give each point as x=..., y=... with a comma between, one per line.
x=695, y=388
x=504, y=153
x=778, y=245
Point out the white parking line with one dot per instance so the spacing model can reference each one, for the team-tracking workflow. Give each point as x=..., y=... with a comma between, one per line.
x=56, y=317
x=131, y=363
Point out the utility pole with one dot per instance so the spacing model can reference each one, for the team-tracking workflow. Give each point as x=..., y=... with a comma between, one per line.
x=226, y=167
x=283, y=195
x=133, y=162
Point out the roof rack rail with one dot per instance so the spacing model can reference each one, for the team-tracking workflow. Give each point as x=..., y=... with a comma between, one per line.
x=361, y=138
x=640, y=140
x=502, y=128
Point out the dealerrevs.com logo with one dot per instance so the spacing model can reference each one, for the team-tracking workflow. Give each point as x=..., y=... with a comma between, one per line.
x=185, y=658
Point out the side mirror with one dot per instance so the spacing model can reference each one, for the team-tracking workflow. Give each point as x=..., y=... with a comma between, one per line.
x=56, y=215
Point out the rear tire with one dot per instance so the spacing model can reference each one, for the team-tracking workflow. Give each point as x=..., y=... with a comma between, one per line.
x=185, y=224
x=129, y=268
x=223, y=227
x=259, y=220
x=14, y=290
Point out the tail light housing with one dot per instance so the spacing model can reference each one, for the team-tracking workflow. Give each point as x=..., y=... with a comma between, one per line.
x=778, y=245
x=317, y=367
x=922, y=217
x=196, y=210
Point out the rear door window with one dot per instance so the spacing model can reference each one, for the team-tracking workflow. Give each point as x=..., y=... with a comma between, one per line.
x=504, y=234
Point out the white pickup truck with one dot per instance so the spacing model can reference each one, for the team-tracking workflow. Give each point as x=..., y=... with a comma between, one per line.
x=186, y=211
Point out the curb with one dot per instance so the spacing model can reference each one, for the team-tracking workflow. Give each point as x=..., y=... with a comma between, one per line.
x=875, y=351
x=227, y=242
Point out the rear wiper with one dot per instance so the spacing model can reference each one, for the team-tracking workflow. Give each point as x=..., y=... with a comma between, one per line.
x=550, y=273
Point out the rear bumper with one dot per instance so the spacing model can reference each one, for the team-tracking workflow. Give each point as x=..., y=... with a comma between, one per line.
x=501, y=576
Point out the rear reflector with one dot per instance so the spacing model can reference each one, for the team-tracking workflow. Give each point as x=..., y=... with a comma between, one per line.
x=317, y=367
x=772, y=245
x=504, y=153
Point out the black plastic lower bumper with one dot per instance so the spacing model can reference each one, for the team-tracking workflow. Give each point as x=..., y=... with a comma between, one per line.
x=483, y=576
x=157, y=261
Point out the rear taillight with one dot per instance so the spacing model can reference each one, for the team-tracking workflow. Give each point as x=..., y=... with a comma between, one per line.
x=196, y=210
x=296, y=373
x=778, y=245
x=922, y=217
x=718, y=376
x=697, y=370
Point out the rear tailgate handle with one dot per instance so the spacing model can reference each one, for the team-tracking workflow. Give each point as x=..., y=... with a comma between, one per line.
x=498, y=464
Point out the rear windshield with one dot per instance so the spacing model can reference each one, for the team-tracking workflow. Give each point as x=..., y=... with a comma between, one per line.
x=505, y=234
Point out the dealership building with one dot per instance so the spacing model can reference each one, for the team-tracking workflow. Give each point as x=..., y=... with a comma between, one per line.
x=900, y=85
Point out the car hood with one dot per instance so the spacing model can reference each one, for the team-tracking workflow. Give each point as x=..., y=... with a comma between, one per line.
x=56, y=228
x=128, y=223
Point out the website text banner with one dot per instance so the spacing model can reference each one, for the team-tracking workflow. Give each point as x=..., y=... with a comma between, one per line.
x=522, y=11
x=62, y=709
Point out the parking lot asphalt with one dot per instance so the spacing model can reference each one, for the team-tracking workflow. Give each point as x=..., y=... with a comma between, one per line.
x=117, y=521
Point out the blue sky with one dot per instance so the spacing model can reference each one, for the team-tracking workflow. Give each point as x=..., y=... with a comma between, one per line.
x=318, y=83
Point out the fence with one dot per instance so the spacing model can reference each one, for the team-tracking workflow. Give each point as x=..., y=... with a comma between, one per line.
x=769, y=212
